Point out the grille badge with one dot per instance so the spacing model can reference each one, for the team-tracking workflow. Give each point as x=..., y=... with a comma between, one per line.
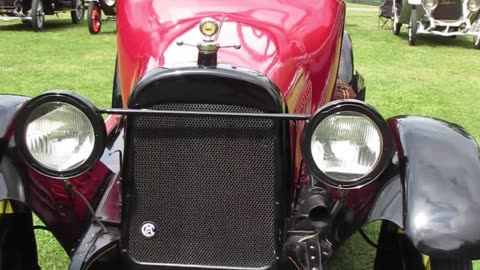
x=148, y=229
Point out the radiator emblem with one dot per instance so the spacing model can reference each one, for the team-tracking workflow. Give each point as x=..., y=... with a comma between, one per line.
x=149, y=229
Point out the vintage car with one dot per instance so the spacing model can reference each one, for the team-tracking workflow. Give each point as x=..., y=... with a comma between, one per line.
x=238, y=138
x=34, y=11
x=449, y=18
x=94, y=15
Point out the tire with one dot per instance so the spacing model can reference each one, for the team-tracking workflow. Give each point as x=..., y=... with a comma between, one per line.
x=94, y=17
x=396, y=26
x=38, y=15
x=395, y=251
x=18, y=249
x=412, y=29
x=79, y=12
x=476, y=39
x=445, y=264
x=476, y=42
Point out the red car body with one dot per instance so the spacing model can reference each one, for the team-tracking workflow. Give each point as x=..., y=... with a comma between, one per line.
x=285, y=40
x=301, y=49
x=280, y=39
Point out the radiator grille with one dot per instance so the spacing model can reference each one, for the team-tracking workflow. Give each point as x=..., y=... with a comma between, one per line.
x=210, y=186
x=6, y=5
x=448, y=10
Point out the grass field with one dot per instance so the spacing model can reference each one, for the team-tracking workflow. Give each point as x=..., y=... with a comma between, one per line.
x=439, y=77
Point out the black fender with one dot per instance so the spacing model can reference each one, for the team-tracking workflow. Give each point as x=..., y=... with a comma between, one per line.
x=18, y=249
x=439, y=167
x=11, y=180
x=346, y=69
x=346, y=66
x=9, y=105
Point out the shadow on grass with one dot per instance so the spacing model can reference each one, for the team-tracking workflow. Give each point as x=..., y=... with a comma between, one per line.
x=440, y=41
x=106, y=32
x=355, y=253
x=50, y=26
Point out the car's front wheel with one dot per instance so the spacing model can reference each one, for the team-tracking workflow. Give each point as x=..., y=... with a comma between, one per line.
x=395, y=251
x=94, y=18
x=396, y=26
x=38, y=15
x=476, y=38
x=79, y=12
x=476, y=42
x=412, y=28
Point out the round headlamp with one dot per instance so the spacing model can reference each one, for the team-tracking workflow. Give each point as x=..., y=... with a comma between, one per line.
x=473, y=5
x=347, y=144
x=110, y=3
x=60, y=134
x=430, y=4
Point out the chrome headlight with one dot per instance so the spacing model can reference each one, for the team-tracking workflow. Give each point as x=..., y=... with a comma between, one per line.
x=60, y=134
x=430, y=5
x=347, y=144
x=473, y=5
x=110, y=3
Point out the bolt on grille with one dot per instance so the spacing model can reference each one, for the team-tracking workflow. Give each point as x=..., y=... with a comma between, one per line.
x=209, y=185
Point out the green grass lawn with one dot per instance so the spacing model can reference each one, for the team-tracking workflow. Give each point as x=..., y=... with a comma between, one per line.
x=439, y=77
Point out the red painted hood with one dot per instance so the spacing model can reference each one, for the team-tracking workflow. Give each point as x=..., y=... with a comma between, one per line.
x=284, y=39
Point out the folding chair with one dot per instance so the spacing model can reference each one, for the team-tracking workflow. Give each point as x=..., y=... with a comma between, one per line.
x=385, y=14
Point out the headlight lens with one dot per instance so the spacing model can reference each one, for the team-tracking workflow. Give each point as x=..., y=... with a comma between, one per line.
x=346, y=146
x=59, y=136
x=430, y=4
x=473, y=5
x=110, y=3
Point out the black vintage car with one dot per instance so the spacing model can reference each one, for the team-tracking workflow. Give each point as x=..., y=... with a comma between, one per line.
x=34, y=11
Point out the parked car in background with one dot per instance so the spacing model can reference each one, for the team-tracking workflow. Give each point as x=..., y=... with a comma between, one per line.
x=94, y=15
x=34, y=11
x=448, y=18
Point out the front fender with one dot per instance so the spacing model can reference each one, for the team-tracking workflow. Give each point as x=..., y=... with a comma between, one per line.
x=11, y=181
x=440, y=168
x=9, y=106
x=11, y=184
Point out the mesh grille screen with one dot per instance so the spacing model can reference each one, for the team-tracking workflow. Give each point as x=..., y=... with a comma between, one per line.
x=448, y=10
x=7, y=4
x=209, y=184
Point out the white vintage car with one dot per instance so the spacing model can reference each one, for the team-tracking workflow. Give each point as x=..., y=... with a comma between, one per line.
x=449, y=18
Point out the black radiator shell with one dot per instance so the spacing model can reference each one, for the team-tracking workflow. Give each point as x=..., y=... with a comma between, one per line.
x=224, y=89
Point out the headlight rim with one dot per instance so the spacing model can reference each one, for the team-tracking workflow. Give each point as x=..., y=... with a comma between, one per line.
x=110, y=4
x=428, y=8
x=79, y=102
x=356, y=106
x=477, y=7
